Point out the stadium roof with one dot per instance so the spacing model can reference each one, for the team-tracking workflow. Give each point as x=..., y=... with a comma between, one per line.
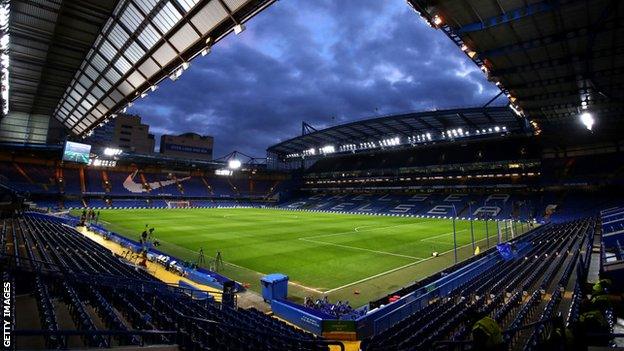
x=554, y=59
x=404, y=126
x=84, y=60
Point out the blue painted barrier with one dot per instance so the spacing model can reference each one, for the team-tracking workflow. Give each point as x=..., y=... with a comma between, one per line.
x=194, y=292
x=294, y=314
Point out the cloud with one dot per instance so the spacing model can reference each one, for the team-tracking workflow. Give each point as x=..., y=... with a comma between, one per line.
x=323, y=62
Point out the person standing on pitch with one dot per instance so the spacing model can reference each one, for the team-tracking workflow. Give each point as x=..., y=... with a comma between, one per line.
x=200, y=259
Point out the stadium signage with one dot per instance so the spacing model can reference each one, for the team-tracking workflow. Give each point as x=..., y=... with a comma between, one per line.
x=188, y=149
x=402, y=208
x=497, y=197
x=418, y=198
x=365, y=208
x=386, y=197
x=338, y=326
x=441, y=210
x=297, y=204
x=455, y=198
x=490, y=211
x=341, y=206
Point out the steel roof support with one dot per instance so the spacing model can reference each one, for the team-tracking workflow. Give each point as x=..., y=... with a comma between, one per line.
x=509, y=16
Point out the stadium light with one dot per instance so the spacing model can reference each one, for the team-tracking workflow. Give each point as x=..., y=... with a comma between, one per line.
x=109, y=151
x=328, y=149
x=239, y=28
x=234, y=164
x=437, y=20
x=588, y=120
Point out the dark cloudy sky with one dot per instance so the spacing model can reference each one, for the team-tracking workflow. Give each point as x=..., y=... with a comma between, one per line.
x=321, y=61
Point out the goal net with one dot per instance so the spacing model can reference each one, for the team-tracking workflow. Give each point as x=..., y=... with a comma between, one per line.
x=507, y=230
x=178, y=204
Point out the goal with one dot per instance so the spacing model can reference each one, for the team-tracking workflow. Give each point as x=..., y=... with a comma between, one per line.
x=178, y=204
x=506, y=230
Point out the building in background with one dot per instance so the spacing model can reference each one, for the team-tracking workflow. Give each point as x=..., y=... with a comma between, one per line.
x=187, y=145
x=125, y=132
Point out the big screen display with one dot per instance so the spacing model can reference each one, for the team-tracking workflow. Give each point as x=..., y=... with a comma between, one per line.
x=76, y=152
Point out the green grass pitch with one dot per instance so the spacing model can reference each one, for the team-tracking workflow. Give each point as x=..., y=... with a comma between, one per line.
x=347, y=256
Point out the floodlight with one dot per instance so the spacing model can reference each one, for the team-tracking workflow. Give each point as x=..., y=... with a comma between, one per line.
x=437, y=20
x=239, y=28
x=588, y=120
x=234, y=164
x=109, y=151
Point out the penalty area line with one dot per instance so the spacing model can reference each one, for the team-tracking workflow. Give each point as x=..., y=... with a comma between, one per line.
x=398, y=268
x=375, y=276
x=441, y=235
x=360, y=248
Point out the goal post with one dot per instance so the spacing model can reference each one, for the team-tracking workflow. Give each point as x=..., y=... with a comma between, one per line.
x=506, y=230
x=178, y=204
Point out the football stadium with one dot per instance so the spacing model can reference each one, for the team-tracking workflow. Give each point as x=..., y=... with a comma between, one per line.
x=490, y=227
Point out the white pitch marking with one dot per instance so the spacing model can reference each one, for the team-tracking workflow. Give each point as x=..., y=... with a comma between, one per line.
x=363, y=230
x=375, y=276
x=359, y=248
x=395, y=269
x=290, y=282
x=440, y=235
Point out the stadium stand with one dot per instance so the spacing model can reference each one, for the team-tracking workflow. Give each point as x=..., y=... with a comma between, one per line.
x=550, y=159
x=71, y=187
x=542, y=271
x=465, y=205
x=112, y=303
